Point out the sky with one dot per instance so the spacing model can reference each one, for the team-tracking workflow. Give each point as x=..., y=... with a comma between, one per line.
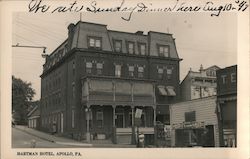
x=200, y=38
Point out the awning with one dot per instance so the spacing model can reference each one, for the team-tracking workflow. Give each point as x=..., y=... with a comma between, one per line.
x=162, y=90
x=170, y=91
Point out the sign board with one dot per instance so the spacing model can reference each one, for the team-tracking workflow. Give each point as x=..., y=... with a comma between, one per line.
x=137, y=121
x=167, y=130
x=189, y=125
x=138, y=113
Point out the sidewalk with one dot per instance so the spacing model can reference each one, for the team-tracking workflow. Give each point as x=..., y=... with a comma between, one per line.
x=69, y=142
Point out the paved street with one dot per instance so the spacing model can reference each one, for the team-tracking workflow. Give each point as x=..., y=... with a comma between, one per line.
x=21, y=139
x=23, y=136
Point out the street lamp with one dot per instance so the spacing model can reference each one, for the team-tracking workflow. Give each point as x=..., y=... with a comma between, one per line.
x=44, y=55
x=87, y=110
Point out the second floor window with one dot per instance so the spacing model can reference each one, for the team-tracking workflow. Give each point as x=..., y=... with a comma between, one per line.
x=163, y=50
x=131, y=48
x=131, y=71
x=89, y=67
x=73, y=67
x=99, y=67
x=73, y=90
x=94, y=42
x=140, y=72
x=118, y=46
x=190, y=116
x=118, y=70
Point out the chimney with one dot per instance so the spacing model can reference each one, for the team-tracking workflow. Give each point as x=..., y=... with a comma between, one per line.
x=201, y=68
x=71, y=29
x=139, y=33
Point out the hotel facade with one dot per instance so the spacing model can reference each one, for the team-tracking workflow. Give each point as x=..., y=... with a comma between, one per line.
x=95, y=80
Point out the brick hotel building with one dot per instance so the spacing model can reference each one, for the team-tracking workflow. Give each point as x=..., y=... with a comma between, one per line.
x=95, y=80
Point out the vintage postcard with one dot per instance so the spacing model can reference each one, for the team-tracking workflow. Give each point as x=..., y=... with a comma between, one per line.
x=127, y=79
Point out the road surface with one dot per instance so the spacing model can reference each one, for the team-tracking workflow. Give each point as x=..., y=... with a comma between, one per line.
x=21, y=139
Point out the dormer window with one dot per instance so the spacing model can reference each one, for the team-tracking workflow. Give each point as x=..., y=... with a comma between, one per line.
x=142, y=48
x=118, y=45
x=163, y=50
x=131, y=47
x=94, y=42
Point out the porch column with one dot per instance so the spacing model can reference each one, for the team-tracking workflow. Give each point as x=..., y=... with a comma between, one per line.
x=87, y=110
x=155, y=131
x=114, y=127
x=133, y=126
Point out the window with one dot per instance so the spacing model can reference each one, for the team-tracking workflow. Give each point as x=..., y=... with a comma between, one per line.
x=118, y=45
x=160, y=73
x=143, y=119
x=99, y=67
x=131, y=48
x=73, y=119
x=99, y=118
x=73, y=68
x=140, y=71
x=163, y=50
x=131, y=71
x=142, y=49
x=118, y=70
x=94, y=42
x=169, y=73
x=190, y=116
x=88, y=67
x=73, y=90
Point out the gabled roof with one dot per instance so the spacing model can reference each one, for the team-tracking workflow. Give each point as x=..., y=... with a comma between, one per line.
x=214, y=66
x=34, y=112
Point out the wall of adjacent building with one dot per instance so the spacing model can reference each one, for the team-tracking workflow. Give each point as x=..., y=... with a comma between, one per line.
x=205, y=112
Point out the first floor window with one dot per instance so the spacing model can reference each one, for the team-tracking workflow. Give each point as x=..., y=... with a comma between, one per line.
x=99, y=118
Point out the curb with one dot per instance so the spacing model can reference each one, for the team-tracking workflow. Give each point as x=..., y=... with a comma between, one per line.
x=74, y=144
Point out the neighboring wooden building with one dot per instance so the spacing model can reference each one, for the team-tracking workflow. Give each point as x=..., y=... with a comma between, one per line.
x=96, y=79
x=194, y=123
x=34, y=118
x=227, y=105
x=199, y=84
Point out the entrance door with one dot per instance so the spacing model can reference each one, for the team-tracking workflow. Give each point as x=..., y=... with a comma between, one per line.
x=119, y=121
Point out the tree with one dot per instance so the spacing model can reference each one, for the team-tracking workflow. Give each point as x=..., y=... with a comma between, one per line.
x=22, y=94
